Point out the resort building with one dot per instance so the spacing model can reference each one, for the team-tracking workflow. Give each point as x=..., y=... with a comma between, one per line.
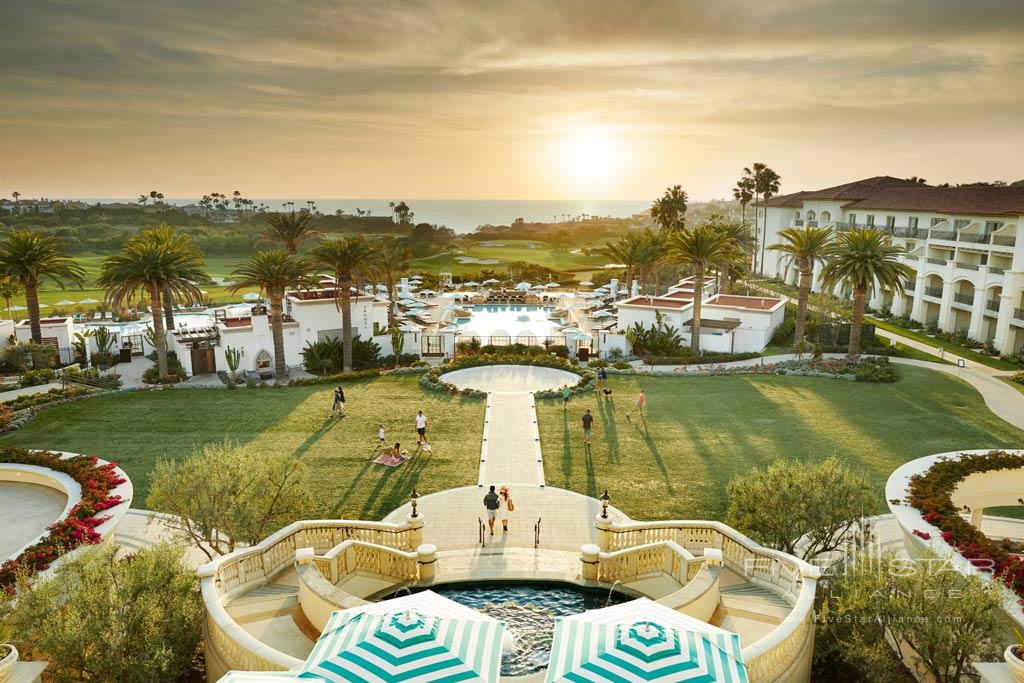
x=965, y=244
x=56, y=332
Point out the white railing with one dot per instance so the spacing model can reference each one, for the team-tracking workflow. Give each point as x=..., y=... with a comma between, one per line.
x=230, y=644
x=786, y=647
x=650, y=559
x=349, y=557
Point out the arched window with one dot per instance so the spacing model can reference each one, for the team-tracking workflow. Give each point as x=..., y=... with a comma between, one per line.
x=810, y=215
x=797, y=215
x=826, y=216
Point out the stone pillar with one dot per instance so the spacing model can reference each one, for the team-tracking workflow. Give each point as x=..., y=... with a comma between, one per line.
x=946, y=306
x=415, y=530
x=426, y=560
x=713, y=557
x=899, y=304
x=917, y=312
x=590, y=556
x=977, y=314
x=603, y=524
x=1013, y=282
x=976, y=516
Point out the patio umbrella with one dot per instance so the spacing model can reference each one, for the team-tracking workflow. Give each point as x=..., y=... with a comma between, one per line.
x=417, y=638
x=65, y=302
x=601, y=314
x=471, y=284
x=44, y=305
x=251, y=296
x=491, y=281
x=16, y=307
x=551, y=285
x=586, y=283
x=88, y=301
x=523, y=286
x=643, y=640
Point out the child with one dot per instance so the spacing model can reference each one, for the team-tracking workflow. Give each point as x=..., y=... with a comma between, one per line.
x=565, y=397
x=338, y=409
x=640, y=402
x=380, y=437
x=607, y=394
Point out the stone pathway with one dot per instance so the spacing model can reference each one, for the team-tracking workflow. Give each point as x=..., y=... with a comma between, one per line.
x=510, y=453
x=22, y=391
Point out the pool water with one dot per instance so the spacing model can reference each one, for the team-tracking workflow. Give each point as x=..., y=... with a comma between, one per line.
x=508, y=320
x=529, y=610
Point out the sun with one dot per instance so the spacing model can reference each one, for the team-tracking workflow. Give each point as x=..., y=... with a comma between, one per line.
x=588, y=156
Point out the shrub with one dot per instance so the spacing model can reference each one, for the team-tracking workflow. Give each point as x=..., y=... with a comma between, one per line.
x=327, y=356
x=33, y=378
x=597, y=363
x=660, y=339
x=622, y=365
x=1018, y=377
x=686, y=358
x=327, y=379
x=175, y=372
x=22, y=357
x=6, y=416
x=615, y=354
x=54, y=395
x=103, y=359
x=875, y=370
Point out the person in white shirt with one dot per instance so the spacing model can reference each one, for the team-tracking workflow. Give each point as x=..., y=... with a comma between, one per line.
x=421, y=427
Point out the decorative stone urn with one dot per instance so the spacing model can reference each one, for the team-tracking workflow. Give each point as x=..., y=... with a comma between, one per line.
x=7, y=661
x=1015, y=663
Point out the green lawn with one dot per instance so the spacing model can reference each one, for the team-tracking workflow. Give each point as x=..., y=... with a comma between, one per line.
x=514, y=250
x=136, y=429
x=990, y=361
x=700, y=432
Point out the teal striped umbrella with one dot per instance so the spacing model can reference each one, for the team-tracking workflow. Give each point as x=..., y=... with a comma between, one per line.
x=413, y=639
x=642, y=640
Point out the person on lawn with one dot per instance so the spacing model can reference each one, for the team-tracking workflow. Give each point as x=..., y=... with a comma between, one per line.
x=338, y=409
x=421, y=427
x=565, y=396
x=588, y=426
x=640, y=402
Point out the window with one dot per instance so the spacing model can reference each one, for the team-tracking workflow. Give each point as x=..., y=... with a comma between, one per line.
x=992, y=226
x=853, y=219
x=826, y=216
x=960, y=223
x=890, y=222
x=871, y=220
x=936, y=221
x=811, y=215
x=912, y=222
x=797, y=215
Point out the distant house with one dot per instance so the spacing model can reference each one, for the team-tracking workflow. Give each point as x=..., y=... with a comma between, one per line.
x=56, y=332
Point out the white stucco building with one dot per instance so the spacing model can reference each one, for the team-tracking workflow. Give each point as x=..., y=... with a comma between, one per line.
x=965, y=244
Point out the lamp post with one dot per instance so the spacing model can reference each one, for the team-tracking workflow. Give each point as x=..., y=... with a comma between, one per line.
x=604, y=504
x=414, y=497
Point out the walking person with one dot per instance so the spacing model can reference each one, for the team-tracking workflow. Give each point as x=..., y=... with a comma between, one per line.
x=507, y=508
x=381, y=442
x=640, y=402
x=491, y=504
x=421, y=427
x=338, y=409
x=565, y=397
x=588, y=426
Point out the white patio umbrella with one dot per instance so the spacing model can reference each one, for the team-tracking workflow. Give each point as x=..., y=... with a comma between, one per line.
x=88, y=301
x=551, y=285
x=602, y=314
x=491, y=281
x=427, y=292
x=251, y=296
x=523, y=286
x=586, y=283
x=65, y=302
x=470, y=284
x=16, y=307
x=643, y=640
x=44, y=305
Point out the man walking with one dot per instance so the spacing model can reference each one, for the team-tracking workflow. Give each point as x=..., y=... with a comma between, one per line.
x=588, y=425
x=421, y=427
x=338, y=409
x=491, y=505
x=565, y=397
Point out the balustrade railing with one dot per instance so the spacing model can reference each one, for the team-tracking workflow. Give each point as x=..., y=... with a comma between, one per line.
x=913, y=233
x=942, y=234
x=1004, y=240
x=798, y=222
x=964, y=298
x=350, y=556
x=972, y=237
x=936, y=261
x=1018, y=313
x=650, y=559
x=812, y=224
x=933, y=291
x=992, y=305
x=910, y=286
x=968, y=266
x=995, y=270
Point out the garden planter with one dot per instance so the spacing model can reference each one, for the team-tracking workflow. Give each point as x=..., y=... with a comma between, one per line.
x=7, y=661
x=1015, y=663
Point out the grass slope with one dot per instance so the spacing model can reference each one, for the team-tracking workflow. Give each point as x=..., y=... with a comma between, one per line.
x=514, y=250
x=136, y=429
x=700, y=432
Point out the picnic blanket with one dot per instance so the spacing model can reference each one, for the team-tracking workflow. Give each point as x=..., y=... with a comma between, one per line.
x=389, y=459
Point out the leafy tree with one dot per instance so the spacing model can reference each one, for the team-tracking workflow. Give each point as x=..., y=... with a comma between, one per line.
x=291, y=230
x=347, y=258
x=743, y=192
x=863, y=257
x=669, y=210
x=791, y=500
x=805, y=247
x=392, y=259
x=273, y=272
x=702, y=248
x=156, y=260
x=397, y=343
x=9, y=288
x=939, y=619
x=226, y=494
x=766, y=185
x=742, y=245
x=134, y=619
x=28, y=258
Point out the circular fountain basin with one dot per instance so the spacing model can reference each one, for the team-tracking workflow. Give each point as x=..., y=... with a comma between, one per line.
x=506, y=378
x=528, y=609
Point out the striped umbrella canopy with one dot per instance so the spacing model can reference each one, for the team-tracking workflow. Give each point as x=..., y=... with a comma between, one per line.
x=642, y=640
x=414, y=639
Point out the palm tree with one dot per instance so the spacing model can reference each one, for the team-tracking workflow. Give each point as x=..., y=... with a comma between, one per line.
x=701, y=248
x=743, y=193
x=155, y=260
x=347, y=258
x=767, y=183
x=392, y=259
x=864, y=257
x=804, y=247
x=274, y=272
x=28, y=258
x=290, y=230
x=742, y=244
x=9, y=289
x=669, y=210
x=180, y=241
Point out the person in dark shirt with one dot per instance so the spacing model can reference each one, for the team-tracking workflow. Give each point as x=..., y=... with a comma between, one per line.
x=588, y=425
x=491, y=504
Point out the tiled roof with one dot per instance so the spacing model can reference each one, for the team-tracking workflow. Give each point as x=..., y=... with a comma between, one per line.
x=983, y=201
x=858, y=189
x=709, y=324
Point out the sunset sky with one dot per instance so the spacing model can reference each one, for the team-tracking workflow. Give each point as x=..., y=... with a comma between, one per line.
x=546, y=99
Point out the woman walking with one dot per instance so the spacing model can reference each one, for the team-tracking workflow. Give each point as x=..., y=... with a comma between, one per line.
x=507, y=506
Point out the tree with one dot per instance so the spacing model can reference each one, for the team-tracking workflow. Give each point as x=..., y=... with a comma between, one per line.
x=347, y=258
x=742, y=245
x=702, y=248
x=743, y=193
x=156, y=260
x=9, y=289
x=767, y=183
x=937, y=618
x=863, y=257
x=226, y=494
x=291, y=230
x=28, y=258
x=392, y=259
x=804, y=247
x=273, y=272
x=916, y=179
x=397, y=342
x=669, y=210
x=637, y=251
x=791, y=501
x=103, y=618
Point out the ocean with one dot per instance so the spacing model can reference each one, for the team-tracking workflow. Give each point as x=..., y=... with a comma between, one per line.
x=462, y=215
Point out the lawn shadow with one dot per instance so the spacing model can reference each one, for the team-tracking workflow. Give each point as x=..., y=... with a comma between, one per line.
x=320, y=432
x=566, y=450
x=402, y=480
x=611, y=429
x=640, y=425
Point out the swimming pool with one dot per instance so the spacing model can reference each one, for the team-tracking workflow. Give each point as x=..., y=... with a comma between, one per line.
x=509, y=320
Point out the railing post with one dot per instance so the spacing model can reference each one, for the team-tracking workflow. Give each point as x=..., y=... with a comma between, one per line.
x=426, y=557
x=712, y=557
x=415, y=531
x=590, y=556
x=603, y=526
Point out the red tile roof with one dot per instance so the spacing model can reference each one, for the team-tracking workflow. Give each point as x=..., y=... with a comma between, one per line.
x=754, y=303
x=981, y=201
x=655, y=302
x=708, y=323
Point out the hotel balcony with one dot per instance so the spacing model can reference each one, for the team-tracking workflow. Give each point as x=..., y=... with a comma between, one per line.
x=936, y=261
x=992, y=306
x=1004, y=240
x=963, y=301
x=942, y=235
x=935, y=292
x=995, y=270
x=1018, y=313
x=968, y=266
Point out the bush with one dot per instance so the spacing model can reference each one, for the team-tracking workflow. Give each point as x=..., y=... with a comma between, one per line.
x=597, y=363
x=6, y=416
x=175, y=371
x=327, y=356
x=1018, y=378
x=22, y=357
x=622, y=365
x=686, y=358
x=54, y=395
x=875, y=370
x=33, y=378
x=135, y=619
x=660, y=339
x=336, y=378
x=404, y=360
x=615, y=354
x=104, y=359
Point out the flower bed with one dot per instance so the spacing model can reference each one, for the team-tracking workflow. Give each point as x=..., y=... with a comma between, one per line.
x=866, y=370
x=97, y=481
x=931, y=494
x=40, y=399
x=432, y=379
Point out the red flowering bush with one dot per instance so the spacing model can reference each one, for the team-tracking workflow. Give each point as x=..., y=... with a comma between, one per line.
x=79, y=527
x=931, y=494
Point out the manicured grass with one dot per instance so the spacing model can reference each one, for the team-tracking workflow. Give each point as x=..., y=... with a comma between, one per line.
x=1016, y=385
x=135, y=429
x=700, y=432
x=970, y=354
x=514, y=250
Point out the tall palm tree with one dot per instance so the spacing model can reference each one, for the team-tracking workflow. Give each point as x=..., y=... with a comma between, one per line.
x=8, y=290
x=291, y=230
x=804, y=247
x=180, y=241
x=702, y=248
x=155, y=260
x=742, y=244
x=669, y=210
x=28, y=258
x=347, y=258
x=392, y=260
x=273, y=272
x=743, y=193
x=863, y=257
x=768, y=185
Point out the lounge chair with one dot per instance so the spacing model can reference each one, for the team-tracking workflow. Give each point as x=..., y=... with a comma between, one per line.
x=108, y=315
x=97, y=315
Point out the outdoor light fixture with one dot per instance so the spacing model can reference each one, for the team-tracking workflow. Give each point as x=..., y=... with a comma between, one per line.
x=604, y=504
x=414, y=497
